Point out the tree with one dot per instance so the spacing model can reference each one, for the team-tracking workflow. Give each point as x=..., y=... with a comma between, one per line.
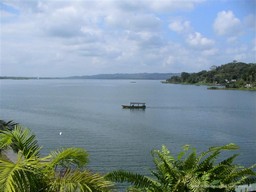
x=184, y=76
x=189, y=172
x=62, y=170
x=222, y=75
x=7, y=125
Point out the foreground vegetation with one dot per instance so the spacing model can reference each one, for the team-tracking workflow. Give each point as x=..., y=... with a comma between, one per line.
x=65, y=170
x=189, y=171
x=235, y=75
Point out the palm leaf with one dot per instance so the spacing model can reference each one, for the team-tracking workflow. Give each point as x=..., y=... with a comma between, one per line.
x=165, y=164
x=182, y=153
x=137, y=180
x=24, y=140
x=69, y=157
x=21, y=176
x=159, y=176
x=230, y=146
x=214, y=151
x=80, y=181
x=229, y=160
x=9, y=125
x=191, y=161
x=196, y=173
x=208, y=163
x=5, y=139
x=240, y=174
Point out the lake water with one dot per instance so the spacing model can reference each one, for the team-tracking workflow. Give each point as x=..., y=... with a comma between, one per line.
x=89, y=115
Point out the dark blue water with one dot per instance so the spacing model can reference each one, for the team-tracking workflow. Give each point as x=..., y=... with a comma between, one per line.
x=89, y=115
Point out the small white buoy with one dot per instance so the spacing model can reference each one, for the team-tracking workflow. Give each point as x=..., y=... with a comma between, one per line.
x=60, y=133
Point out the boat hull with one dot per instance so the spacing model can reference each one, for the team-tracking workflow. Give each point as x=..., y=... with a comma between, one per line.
x=133, y=107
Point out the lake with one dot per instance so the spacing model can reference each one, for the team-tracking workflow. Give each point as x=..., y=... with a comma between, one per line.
x=89, y=115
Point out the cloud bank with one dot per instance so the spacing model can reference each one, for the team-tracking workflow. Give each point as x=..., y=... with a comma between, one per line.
x=62, y=38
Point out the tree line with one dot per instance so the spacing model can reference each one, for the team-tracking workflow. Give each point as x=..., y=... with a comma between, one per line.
x=64, y=170
x=231, y=75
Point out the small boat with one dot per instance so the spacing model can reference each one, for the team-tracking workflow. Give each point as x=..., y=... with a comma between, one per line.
x=135, y=105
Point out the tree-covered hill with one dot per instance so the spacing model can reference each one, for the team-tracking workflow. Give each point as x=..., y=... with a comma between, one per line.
x=230, y=75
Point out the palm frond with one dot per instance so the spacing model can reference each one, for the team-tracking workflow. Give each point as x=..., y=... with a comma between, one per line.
x=207, y=164
x=229, y=160
x=69, y=157
x=80, y=181
x=215, y=149
x=230, y=146
x=24, y=140
x=137, y=180
x=191, y=161
x=159, y=176
x=165, y=164
x=239, y=174
x=5, y=139
x=7, y=125
x=221, y=170
x=21, y=176
x=183, y=152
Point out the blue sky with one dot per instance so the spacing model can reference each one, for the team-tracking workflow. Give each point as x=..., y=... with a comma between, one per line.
x=85, y=37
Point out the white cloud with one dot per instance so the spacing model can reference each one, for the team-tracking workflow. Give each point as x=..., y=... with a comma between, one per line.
x=227, y=24
x=193, y=38
x=210, y=52
x=134, y=22
x=179, y=57
x=180, y=26
x=61, y=38
x=169, y=5
x=197, y=40
x=63, y=22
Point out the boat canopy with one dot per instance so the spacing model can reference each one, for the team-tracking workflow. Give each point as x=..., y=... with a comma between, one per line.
x=137, y=103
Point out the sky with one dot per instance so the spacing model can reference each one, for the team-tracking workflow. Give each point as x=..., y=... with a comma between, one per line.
x=59, y=38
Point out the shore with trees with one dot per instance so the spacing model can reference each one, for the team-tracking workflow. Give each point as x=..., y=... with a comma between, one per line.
x=234, y=75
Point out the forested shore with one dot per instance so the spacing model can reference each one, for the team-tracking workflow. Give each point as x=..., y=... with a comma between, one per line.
x=234, y=75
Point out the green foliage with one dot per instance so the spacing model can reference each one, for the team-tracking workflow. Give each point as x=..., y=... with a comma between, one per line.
x=20, y=139
x=63, y=170
x=79, y=181
x=7, y=125
x=21, y=175
x=71, y=157
x=139, y=181
x=189, y=172
x=231, y=75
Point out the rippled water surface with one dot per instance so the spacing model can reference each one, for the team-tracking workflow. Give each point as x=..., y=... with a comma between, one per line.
x=89, y=115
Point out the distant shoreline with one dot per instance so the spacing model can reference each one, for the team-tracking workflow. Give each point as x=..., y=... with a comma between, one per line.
x=224, y=88
x=127, y=76
x=213, y=87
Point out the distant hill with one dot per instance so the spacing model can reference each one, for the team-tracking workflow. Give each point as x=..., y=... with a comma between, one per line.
x=136, y=76
x=231, y=75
